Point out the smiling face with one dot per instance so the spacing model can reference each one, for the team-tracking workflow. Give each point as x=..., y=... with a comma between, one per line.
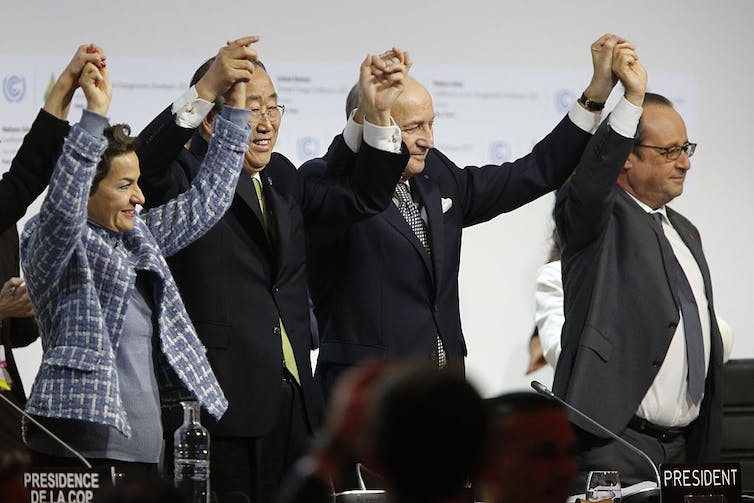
x=647, y=174
x=415, y=115
x=113, y=203
x=261, y=96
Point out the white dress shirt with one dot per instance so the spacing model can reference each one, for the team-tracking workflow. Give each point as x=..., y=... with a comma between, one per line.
x=667, y=402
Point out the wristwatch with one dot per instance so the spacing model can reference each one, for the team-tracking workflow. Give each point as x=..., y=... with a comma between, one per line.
x=592, y=106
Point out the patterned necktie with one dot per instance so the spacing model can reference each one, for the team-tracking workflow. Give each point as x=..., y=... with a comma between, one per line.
x=414, y=219
x=289, y=359
x=692, y=325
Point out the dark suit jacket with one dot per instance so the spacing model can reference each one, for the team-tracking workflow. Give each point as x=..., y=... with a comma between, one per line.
x=31, y=168
x=620, y=312
x=27, y=177
x=235, y=283
x=377, y=293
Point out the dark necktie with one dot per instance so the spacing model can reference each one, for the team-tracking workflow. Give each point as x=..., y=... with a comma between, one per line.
x=692, y=326
x=414, y=219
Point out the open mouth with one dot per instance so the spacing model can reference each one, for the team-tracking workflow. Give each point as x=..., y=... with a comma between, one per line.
x=262, y=144
x=129, y=213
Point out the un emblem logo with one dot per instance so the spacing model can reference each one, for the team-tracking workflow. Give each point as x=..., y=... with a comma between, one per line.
x=500, y=152
x=564, y=100
x=307, y=147
x=14, y=88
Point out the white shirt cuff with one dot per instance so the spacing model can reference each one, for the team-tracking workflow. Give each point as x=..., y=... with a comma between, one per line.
x=190, y=110
x=353, y=133
x=624, y=119
x=385, y=138
x=586, y=120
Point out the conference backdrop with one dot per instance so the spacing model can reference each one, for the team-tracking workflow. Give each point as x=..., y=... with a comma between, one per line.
x=501, y=75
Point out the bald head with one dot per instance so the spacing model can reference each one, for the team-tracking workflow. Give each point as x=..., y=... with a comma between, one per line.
x=415, y=115
x=414, y=94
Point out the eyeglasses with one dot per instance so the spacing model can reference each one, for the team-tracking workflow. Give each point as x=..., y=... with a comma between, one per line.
x=673, y=153
x=274, y=114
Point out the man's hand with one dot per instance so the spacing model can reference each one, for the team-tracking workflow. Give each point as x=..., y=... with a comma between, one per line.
x=233, y=63
x=95, y=83
x=536, y=355
x=603, y=78
x=59, y=101
x=14, y=300
x=631, y=73
x=382, y=80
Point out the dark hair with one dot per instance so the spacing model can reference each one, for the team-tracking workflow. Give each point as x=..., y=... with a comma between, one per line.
x=649, y=99
x=352, y=101
x=202, y=70
x=520, y=401
x=555, y=246
x=428, y=433
x=119, y=142
x=502, y=407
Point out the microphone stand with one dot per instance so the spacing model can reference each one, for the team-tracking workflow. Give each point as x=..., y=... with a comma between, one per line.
x=544, y=390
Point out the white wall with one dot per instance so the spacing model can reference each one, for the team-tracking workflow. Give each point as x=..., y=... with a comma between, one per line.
x=703, y=48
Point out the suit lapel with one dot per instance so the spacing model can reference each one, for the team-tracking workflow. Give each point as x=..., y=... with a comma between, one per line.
x=691, y=240
x=662, y=242
x=279, y=216
x=666, y=251
x=395, y=218
x=255, y=224
x=432, y=200
x=246, y=191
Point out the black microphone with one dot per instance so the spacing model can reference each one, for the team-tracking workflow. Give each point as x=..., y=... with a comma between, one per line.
x=544, y=390
x=51, y=434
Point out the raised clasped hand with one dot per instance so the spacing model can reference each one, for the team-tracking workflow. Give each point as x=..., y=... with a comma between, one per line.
x=233, y=63
x=631, y=72
x=382, y=80
x=95, y=82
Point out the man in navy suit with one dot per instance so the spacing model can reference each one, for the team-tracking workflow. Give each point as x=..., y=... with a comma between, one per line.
x=244, y=283
x=388, y=286
x=641, y=348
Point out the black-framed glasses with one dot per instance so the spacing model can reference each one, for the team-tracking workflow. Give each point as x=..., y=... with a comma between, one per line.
x=673, y=153
x=274, y=114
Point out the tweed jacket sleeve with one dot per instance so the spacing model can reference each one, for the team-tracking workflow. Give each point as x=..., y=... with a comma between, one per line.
x=62, y=217
x=184, y=219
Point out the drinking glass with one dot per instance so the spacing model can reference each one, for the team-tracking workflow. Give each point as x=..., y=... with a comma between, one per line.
x=603, y=486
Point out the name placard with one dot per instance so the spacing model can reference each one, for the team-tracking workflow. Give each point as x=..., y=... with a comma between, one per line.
x=701, y=482
x=66, y=485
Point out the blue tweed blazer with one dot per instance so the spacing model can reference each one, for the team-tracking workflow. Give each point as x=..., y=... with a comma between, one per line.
x=80, y=278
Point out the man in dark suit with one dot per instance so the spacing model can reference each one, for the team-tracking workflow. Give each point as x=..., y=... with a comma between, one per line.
x=641, y=349
x=244, y=283
x=388, y=286
x=27, y=177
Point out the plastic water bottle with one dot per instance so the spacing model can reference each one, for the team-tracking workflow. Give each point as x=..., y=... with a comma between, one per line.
x=191, y=444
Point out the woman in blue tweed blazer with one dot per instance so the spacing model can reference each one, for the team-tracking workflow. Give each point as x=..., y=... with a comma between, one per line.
x=115, y=333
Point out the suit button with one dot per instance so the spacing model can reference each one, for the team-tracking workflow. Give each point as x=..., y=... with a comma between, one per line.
x=276, y=331
x=672, y=324
x=275, y=289
x=434, y=308
x=656, y=364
